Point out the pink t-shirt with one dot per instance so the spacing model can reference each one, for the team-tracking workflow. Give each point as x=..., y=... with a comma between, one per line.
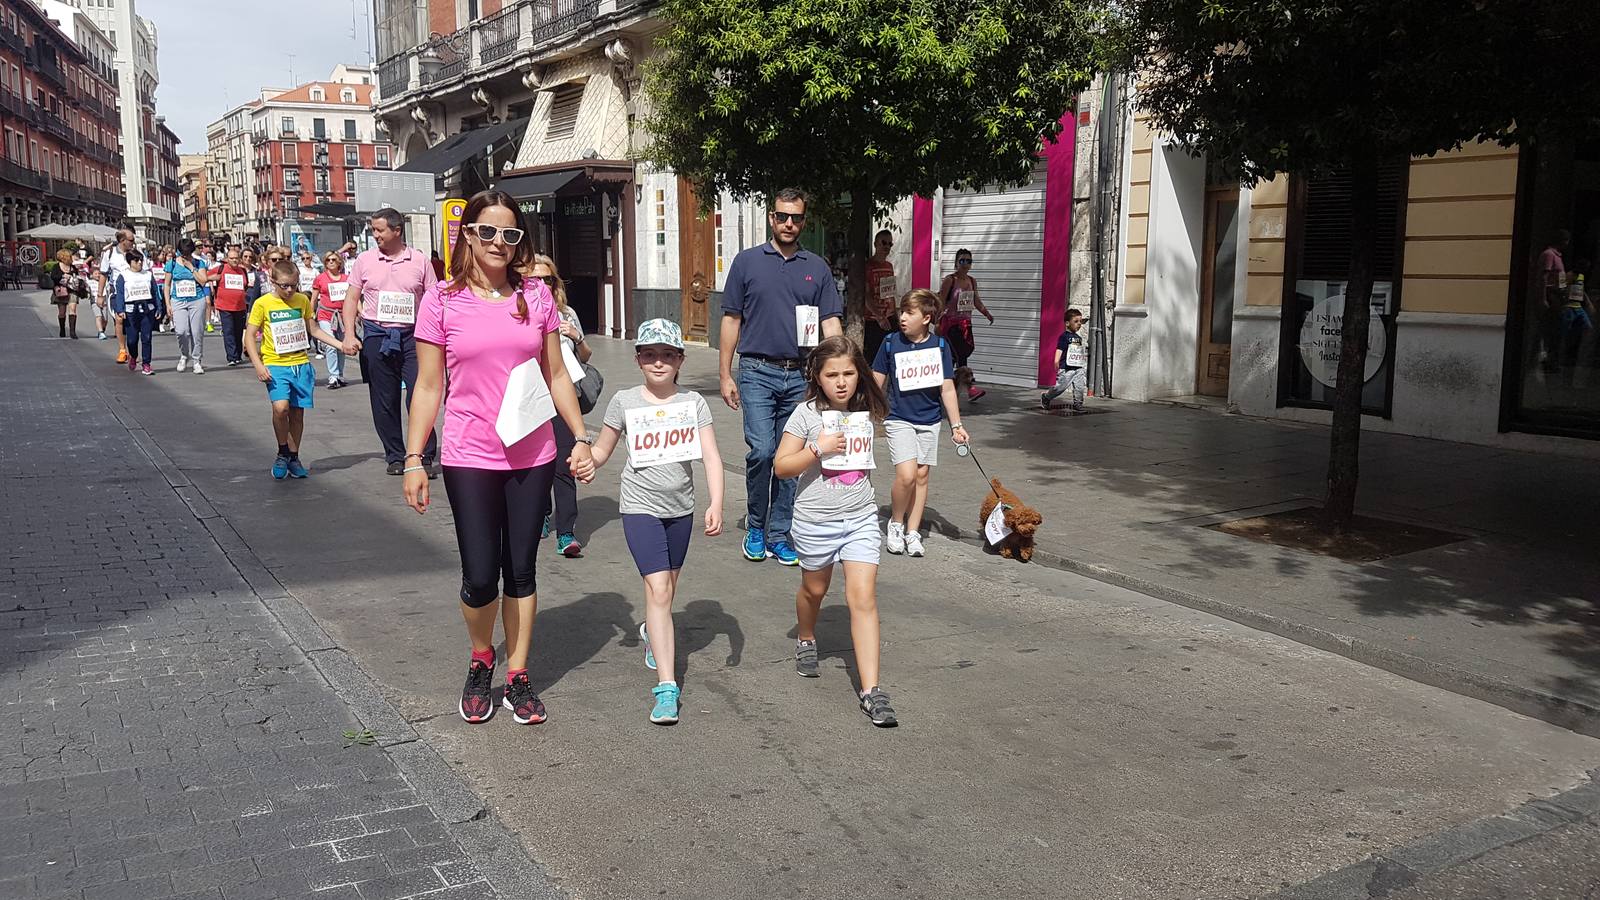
x=374, y=272
x=483, y=341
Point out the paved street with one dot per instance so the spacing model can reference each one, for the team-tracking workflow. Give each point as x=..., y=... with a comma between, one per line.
x=1061, y=737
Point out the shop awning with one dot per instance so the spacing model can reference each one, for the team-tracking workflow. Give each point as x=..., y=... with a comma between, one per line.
x=457, y=149
x=330, y=209
x=540, y=186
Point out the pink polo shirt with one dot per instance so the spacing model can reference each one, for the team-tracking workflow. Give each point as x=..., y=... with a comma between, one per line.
x=375, y=272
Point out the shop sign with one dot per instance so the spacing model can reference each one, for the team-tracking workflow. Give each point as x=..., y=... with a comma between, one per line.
x=1322, y=331
x=579, y=206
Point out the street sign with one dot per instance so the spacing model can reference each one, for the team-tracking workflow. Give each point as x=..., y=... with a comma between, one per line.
x=408, y=192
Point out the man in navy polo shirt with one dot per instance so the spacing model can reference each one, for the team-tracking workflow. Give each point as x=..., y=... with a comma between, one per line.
x=778, y=302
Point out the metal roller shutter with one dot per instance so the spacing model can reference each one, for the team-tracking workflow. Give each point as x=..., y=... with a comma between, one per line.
x=1004, y=229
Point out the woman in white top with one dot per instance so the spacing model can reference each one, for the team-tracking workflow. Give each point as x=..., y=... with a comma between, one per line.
x=564, y=517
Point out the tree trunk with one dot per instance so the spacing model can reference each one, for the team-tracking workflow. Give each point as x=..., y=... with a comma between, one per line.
x=859, y=236
x=1344, y=451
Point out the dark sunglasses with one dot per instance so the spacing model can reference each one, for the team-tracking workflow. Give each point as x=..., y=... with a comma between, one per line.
x=487, y=233
x=964, y=261
x=797, y=218
x=549, y=280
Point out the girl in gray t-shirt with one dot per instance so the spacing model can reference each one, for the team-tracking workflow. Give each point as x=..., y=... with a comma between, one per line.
x=835, y=510
x=664, y=430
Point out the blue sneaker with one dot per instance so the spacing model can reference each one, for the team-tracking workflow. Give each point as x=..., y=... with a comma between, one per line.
x=649, y=658
x=280, y=468
x=755, y=545
x=296, y=468
x=666, y=708
x=544, y=530
x=784, y=553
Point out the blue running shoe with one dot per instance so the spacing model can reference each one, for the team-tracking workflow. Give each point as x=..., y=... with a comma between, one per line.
x=280, y=468
x=784, y=553
x=297, y=469
x=666, y=708
x=649, y=658
x=755, y=545
x=544, y=530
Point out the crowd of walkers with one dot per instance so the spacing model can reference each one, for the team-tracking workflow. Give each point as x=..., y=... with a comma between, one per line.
x=498, y=331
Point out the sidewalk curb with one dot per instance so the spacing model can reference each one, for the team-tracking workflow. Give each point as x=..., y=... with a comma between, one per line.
x=496, y=850
x=1573, y=715
x=1381, y=874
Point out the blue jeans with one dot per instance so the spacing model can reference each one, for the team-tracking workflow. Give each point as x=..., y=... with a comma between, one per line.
x=331, y=354
x=768, y=395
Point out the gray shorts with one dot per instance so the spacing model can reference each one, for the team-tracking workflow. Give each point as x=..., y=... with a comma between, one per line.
x=912, y=442
x=821, y=544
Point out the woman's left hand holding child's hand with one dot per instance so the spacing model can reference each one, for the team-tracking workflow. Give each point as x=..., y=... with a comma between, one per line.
x=582, y=463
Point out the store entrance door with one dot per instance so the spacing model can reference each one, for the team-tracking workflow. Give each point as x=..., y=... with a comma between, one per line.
x=1219, y=253
x=697, y=259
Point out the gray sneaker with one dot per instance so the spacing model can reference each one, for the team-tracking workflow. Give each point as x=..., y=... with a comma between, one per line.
x=875, y=703
x=805, y=659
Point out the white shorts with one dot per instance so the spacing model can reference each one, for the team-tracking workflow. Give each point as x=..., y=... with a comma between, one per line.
x=821, y=544
x=908, y=442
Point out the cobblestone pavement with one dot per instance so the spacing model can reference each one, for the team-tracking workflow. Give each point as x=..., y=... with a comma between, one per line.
x=161, y=732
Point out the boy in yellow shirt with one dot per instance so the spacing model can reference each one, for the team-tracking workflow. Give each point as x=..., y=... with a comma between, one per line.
x=282, y=325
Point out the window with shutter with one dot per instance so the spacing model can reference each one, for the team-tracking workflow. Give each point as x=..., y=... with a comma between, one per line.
x=1317, y=264
x=564, y=113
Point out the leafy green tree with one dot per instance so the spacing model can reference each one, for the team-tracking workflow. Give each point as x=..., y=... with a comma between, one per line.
x=864, y=101
x=1263, y=87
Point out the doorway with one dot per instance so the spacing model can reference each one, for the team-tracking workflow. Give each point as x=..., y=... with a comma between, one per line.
x=697, y=259
x=1219, y=253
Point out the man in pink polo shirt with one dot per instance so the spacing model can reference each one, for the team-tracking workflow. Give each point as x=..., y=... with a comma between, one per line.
x=391, y=279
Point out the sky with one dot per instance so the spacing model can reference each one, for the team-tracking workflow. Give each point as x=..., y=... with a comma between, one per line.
x=202, y=77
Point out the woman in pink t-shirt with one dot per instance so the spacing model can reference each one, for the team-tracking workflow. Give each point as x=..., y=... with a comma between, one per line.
x=496, y=334
x=329, y=290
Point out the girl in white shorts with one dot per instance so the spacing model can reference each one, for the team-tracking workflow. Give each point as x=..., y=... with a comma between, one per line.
x=828, y=446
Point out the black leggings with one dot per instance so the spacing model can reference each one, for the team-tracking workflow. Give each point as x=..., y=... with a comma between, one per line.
x=498, y=513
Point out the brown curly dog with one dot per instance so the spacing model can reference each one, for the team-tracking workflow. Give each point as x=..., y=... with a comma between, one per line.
x=1023, y=520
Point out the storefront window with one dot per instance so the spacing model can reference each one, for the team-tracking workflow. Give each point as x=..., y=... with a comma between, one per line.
x=1317, y=260
x=1554, y=358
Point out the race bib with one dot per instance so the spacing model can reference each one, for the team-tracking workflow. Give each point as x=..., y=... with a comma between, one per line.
x=233, y=281
x=136, y=290
x=307, y=279
x=397, y=306
x=161, y=276
x=806, y=325
x=858, y=433
x=337, y=292
x=919, y=369
x=657, y=435
x=526, y=404
x=888, y=288
x=995, y=527
x=966, y=301
x=1076, y=356
x=288, y=331
x=185, y=290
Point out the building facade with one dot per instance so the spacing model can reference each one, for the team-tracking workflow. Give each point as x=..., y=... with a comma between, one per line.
x=58, y=110
x=1480, y=324
x=193, y=169
x=138, y=77
x=230, y=175
x=307, y=144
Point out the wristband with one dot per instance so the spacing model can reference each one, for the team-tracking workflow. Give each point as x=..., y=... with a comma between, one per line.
x=584, y=439
x=413, y=469
x=417, y=455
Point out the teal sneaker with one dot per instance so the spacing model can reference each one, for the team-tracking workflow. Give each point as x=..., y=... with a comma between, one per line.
x=280, y=468
x=544, y=530
x=666, y=708
x=567, y=545
x=649, y=658
x=297, y=469
x=784, y=553
x=755, y=545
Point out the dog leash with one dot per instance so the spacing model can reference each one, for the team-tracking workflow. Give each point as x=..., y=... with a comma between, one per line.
x=966, y=450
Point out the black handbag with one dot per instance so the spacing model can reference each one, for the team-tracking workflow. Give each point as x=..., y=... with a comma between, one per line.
x=590, y=388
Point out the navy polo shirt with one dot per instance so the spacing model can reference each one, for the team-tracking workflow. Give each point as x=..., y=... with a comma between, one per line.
x=764, y=289
x=921, y=406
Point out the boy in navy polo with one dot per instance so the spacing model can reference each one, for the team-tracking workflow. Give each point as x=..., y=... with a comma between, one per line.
x=1072, y=364
x=917, y=371
x=778, y=303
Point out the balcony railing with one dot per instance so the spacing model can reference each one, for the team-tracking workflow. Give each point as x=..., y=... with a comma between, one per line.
x=25, y=177
x=104, y=198
x=12, y=103
x=66, y=190
x=518, y=29
x=13, y=40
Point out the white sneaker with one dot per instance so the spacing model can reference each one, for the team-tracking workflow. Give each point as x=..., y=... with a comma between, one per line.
x=199, y=369
x=183, y=363
x=913, y=543
x=894, y=539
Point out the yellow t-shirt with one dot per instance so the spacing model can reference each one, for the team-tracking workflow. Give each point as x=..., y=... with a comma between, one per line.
x=283, y=323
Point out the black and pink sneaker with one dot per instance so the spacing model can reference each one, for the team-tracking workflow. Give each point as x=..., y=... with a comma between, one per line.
x=524, y=704
x=477, y=704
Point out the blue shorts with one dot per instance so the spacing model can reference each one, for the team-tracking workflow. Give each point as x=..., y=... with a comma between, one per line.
x=821, y=544
x=292, y=383
x=657, y=544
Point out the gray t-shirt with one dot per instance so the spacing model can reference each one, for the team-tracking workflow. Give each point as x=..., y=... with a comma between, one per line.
x=827, y=498
x=667, y=490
